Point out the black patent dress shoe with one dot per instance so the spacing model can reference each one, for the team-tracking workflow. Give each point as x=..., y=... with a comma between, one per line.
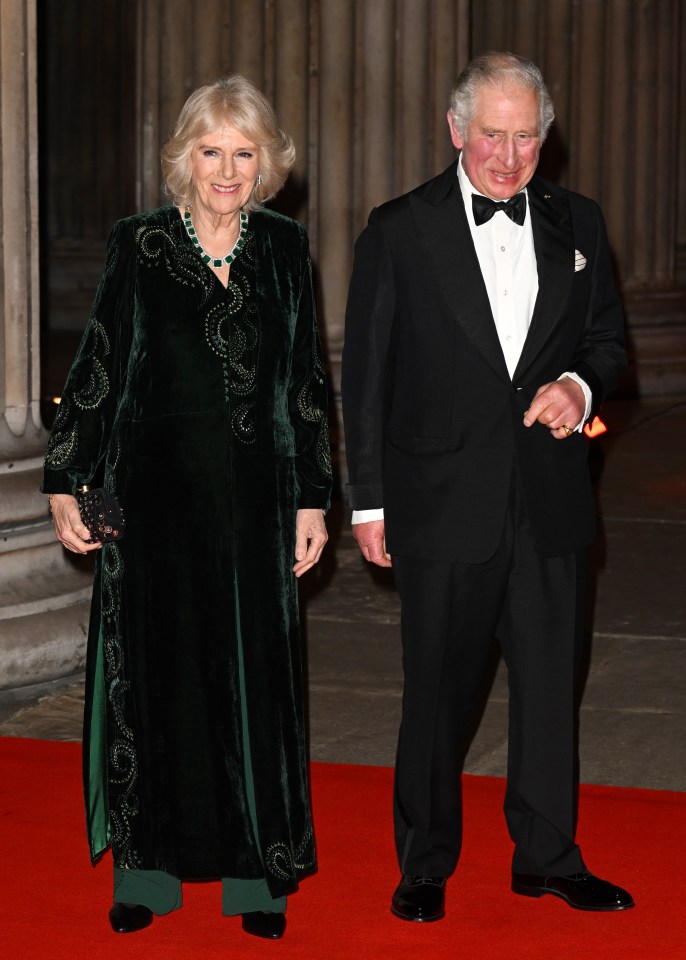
x=421, y=899
x=129, y=917
x=261, y=923
x=582, y=891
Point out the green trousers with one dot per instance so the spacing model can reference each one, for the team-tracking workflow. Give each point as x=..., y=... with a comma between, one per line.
x=161, y=892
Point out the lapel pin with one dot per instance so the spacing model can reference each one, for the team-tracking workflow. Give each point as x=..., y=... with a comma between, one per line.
x=546, y=196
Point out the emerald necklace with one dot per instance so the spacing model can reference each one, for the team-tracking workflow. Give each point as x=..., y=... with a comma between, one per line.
x=216, y=261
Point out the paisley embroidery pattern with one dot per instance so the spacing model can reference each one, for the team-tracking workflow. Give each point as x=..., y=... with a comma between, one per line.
x=285, y=863
x=101, y=342
x=156, y=246
x=243, y=423
x=122, y=759
x=243, y=345
x=95, y=389
x=64, y=438
x=242, y=353
x=233, y=334
x=89, y=383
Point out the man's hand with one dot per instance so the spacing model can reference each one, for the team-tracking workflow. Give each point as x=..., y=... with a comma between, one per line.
x=371, y=539
x=310, y=537
x=557, y=405
x=69, y=529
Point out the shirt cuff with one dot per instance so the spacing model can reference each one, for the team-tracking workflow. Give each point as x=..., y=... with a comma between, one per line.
x=587, y=396
x=365, y=516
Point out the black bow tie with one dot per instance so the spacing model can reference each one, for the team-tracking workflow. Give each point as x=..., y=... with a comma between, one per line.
x=484, y=208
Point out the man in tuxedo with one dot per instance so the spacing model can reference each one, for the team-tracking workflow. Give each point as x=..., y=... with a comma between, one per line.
x=483, y=329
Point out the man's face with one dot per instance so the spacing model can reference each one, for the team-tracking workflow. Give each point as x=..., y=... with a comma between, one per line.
x=501, y=149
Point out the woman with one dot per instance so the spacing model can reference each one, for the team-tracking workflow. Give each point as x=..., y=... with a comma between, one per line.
x=198, y=397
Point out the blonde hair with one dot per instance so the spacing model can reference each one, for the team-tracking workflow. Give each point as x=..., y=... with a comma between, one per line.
x=236, y=102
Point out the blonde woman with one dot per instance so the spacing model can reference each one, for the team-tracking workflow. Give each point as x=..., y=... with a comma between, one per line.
x=198, y=398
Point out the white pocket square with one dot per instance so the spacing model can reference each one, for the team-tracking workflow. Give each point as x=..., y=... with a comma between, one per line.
x=579, y=261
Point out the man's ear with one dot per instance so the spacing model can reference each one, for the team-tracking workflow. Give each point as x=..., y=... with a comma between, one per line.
x=454, y=135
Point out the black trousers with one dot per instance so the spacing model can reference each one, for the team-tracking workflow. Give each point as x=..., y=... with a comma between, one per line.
x=451, y=612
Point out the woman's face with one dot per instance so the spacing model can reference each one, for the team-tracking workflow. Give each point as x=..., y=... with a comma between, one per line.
x=224, y=165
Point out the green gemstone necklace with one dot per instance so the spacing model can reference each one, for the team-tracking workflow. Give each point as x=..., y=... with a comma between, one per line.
x=217, y=261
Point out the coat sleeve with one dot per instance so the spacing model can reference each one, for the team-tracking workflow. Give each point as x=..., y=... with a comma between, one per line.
x=307, y=398
x=81, y=433
x=600, y=355
x=367, y=365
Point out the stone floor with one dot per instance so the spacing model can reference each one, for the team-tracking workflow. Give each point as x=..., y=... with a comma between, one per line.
x=632, y=715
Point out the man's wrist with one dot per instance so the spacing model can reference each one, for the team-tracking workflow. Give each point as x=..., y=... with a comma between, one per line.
x=588, y=399
x=366, y=516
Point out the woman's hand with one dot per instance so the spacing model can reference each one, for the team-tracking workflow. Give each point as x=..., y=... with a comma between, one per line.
x=310, y=537
x=69, y=528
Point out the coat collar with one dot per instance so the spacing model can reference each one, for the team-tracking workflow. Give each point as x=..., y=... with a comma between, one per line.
x=551, y=223
x=441, y=223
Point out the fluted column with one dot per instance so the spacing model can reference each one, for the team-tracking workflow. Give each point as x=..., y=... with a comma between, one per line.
x=20, y=424
x=337, y=138
x=615, y=69
x=43, y=599
x=646, y=211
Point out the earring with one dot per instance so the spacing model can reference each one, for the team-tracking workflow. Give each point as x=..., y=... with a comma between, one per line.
x=258, y=180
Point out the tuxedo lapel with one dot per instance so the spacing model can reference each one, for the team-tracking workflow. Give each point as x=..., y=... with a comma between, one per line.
x=554, y=247
x=441, y=223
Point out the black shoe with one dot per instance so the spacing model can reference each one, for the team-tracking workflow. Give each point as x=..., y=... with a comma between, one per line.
x=129, y=917
x=262, y=923
x=582, y=891
x=421, y=899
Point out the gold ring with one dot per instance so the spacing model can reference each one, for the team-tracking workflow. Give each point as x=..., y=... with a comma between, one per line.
x=568, y=430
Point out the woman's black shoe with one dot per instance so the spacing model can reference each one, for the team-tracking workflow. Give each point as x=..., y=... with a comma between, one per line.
x=129, y=917
x=261, y=923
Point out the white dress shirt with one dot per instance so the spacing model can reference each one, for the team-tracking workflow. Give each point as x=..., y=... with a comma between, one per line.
x=508, y=264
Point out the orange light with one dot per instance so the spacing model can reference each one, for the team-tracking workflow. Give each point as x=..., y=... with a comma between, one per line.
x=595, y=429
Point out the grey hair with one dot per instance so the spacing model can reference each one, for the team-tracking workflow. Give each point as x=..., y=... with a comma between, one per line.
x=231, y=101
x=498, y=69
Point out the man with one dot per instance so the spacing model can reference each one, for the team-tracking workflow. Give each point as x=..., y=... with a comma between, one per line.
x=483, y=329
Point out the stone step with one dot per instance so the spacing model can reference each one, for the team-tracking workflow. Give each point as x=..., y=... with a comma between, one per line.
x=30, y=533
x=44, y=590
x=20, y=497
x=40, y=579
x=43, y=646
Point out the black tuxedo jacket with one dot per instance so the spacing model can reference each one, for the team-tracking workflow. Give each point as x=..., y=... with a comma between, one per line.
x=433, y=421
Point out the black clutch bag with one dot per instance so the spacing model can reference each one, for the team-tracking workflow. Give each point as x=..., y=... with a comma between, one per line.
x=101, y=513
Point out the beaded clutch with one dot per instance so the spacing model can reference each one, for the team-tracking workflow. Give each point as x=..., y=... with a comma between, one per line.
x=101, y=513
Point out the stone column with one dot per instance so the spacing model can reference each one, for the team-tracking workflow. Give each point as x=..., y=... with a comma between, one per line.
x=43, y=598
x=614, y=70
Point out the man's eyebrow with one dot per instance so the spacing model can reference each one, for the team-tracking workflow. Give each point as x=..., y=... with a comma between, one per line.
x=530, y=131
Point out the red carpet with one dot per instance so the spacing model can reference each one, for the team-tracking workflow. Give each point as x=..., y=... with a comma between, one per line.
x=53, y=905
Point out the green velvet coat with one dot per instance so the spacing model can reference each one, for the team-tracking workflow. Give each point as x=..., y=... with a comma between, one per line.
x=203, y=409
